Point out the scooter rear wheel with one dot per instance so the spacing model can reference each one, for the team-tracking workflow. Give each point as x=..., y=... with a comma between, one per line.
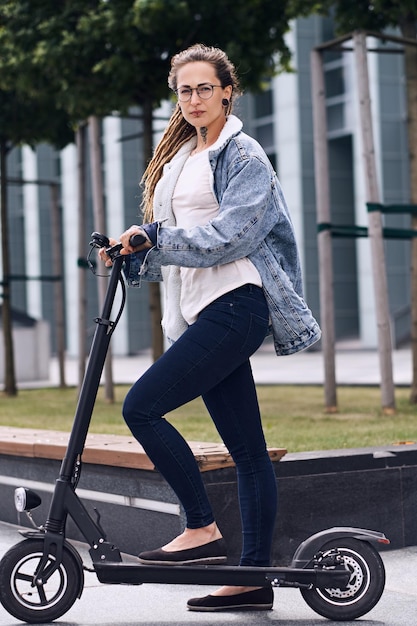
x=38, y=603
x=364, y=589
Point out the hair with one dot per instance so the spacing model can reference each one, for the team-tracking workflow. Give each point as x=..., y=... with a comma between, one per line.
x=179, y=131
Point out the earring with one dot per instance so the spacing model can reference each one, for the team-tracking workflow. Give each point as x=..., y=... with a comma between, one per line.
x=225, y=102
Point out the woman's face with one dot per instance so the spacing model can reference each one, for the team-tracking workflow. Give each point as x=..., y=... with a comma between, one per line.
x=198, y=111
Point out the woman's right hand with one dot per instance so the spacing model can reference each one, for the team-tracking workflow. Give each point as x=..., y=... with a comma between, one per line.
x=125, y=239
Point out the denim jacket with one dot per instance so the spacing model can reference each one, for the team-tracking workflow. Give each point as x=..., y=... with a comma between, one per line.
x=253, y=221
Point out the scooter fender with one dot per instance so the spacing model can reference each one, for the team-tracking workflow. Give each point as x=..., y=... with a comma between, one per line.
x=30, y=534
x=311, y=546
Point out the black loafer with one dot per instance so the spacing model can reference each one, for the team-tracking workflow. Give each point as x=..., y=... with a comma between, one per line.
x=256, y=600
x=212, y=553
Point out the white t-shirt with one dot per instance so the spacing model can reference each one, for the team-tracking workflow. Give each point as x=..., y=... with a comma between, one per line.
x=194, y=204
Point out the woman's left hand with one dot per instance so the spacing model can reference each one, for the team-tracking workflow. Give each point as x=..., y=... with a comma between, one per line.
x=104, y=256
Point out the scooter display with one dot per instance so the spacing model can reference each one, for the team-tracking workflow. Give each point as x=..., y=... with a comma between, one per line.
x=338, y=571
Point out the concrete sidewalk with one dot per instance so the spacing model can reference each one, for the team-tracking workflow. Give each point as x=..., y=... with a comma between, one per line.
x=164, y=605
x=353, y=367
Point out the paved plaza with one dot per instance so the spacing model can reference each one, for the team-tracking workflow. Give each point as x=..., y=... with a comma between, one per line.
x=353, y=367
x=164, y=605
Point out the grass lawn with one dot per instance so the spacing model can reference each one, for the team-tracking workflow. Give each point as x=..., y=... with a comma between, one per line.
x=293, y=416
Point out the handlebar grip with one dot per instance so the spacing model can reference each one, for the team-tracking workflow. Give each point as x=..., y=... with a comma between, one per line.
x=137, y=240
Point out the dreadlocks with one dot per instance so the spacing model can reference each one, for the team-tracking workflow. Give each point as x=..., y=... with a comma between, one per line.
x=176, y=134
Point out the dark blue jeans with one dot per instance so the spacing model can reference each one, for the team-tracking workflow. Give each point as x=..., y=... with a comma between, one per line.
x=211, y=359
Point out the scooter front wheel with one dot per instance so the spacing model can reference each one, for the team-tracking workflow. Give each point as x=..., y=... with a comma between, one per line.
x=29, y=601
x=365, y=586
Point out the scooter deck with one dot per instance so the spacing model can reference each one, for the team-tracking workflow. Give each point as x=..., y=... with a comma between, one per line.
x=136, y=574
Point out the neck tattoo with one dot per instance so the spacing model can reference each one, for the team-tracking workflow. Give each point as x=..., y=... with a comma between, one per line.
x=203, y=133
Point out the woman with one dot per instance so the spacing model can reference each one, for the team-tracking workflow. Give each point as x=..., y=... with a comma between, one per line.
x=219, y=236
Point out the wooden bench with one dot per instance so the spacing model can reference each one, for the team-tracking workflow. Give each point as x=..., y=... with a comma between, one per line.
x=112, y=450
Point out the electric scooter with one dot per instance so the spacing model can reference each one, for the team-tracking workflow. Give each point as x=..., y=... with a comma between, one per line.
x=338, y=571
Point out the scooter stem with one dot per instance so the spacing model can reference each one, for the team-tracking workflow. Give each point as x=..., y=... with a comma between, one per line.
x=90, y=385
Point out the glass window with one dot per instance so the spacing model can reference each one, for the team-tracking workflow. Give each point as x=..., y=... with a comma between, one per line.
x=336, y=117
x=335, y=84
x=263, y=104
x=265, y=135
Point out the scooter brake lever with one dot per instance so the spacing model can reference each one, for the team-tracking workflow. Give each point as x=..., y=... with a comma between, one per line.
x=99, y=241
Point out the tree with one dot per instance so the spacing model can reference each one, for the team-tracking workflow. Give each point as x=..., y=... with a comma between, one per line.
x=102, y=56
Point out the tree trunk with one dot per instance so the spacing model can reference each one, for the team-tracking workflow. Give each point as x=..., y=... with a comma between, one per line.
x=325, y=250
x=59, y=306
x=10, y=388
x=100, y=226
x=154, y=291
x=409, y=30
x=375, y=229
x=82, y=278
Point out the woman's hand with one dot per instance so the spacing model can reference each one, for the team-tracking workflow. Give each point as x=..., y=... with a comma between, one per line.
x=126, y=236
x=104, y=256
x=125, y=241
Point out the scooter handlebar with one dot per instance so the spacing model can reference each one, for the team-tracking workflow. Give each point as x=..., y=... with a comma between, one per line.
x=102, y=241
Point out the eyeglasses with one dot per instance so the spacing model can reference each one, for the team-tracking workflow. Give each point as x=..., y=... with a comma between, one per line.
x=184, y=94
